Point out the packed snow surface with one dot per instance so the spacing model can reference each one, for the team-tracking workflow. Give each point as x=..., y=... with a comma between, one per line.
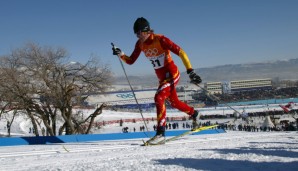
x=234, y=150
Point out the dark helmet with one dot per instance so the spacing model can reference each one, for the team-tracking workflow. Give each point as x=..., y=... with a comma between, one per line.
x=141, y=24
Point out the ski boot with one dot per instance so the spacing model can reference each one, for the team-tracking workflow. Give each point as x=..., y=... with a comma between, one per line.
x=195, y=124
x=159, y=138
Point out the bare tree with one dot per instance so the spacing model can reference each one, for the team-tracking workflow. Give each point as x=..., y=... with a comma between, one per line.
x=40, y=81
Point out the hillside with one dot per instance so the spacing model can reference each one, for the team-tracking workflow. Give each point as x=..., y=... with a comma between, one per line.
x=283, y=70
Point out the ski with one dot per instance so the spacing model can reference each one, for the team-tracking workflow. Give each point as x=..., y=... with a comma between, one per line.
x=145, y=143
x=191, y=132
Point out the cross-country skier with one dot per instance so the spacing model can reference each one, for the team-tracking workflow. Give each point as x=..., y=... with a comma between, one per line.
x=157, y=49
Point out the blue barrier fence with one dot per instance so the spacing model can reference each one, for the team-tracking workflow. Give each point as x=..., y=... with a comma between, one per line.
x=13, y=141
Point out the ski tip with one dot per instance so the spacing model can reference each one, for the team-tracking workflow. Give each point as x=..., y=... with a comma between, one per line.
x=144, y=143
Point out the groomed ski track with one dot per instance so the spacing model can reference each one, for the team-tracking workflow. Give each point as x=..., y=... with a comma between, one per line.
x=114, y=145
x=229, y=151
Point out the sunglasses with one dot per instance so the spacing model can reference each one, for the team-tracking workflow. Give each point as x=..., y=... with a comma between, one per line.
x=139, y=32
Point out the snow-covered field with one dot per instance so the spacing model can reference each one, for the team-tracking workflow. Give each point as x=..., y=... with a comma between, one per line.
x=235, y=150
x=21, y=126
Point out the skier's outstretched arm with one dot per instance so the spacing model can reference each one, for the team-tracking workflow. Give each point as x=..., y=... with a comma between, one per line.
x=127, y=59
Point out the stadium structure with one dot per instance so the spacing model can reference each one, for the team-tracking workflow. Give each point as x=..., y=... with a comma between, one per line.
x=146, y=97
x=238, y=85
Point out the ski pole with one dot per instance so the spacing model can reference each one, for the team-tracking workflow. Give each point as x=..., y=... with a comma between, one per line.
x=133, y=92
x=216, y=98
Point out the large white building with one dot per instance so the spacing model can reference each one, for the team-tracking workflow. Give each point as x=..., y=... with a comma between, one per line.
x=214, y=87
x=242, y=85
x=239, y=85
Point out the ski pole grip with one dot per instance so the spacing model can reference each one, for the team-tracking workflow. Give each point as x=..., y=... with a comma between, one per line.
x=113, y=45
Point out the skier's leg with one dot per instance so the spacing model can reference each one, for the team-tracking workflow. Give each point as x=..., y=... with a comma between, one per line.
x=176, y=103
x=159, y=99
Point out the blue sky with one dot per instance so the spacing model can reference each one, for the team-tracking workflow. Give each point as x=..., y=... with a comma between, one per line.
x=212, y=32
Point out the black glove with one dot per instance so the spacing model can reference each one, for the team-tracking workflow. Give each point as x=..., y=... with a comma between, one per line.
x=116, y=51
x=194, y=78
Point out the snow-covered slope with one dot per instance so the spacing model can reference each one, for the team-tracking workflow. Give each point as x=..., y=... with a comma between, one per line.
x=245, y=151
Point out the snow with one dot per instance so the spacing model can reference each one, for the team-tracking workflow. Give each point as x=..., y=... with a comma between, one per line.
x=234, y=150
x=21, y=125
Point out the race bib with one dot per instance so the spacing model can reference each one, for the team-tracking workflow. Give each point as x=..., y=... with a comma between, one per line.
x=157, y=61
